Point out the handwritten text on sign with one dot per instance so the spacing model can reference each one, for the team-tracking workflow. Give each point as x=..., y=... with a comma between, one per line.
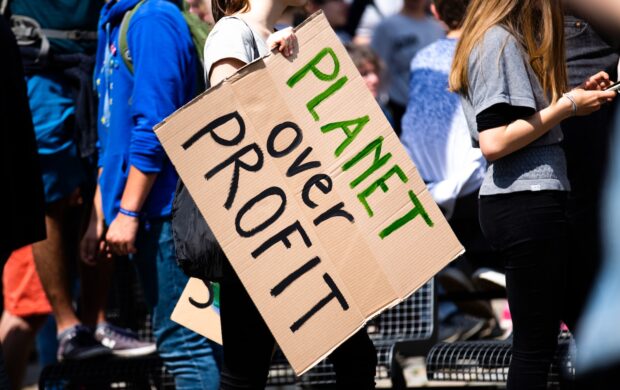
x=284, y=139
x=308, y=190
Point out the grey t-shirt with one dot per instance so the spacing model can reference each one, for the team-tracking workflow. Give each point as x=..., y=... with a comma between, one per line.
x=231, y=37
x=499, y=72
x=396, y=40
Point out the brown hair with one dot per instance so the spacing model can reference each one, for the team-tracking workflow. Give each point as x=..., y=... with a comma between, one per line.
x=452, y=12
x=362, y=54
x=537, y=24
x=221, y=8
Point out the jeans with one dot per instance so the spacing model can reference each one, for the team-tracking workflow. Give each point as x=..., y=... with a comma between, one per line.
x=191, y=358
x=531, y=233
x=250, y=344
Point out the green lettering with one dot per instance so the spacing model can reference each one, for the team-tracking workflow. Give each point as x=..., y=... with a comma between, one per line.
x=380, y=183
x=418, y=209
x=377, y=162
x=350, y=134
x=324, y=95
x=312, y=67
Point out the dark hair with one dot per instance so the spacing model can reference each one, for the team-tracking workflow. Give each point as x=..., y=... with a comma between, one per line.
x=452, y=12
x=221, y=8
x=361, y=54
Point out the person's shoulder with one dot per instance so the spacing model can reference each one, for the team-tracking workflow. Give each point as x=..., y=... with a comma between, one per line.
x=498, y=37
x=157, y=10
x=435, y=54
x=231, y=26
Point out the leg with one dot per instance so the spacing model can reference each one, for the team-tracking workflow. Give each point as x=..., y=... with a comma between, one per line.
x=190, y=357
x=17, y=336
x=249, y=343
x=355, y=362
x=535, y=292
x=51, y=259
x=531, y=232
x=94, y=292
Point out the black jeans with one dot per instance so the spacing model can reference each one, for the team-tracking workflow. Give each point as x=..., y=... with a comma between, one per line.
x=531, y=233
x=249, y=345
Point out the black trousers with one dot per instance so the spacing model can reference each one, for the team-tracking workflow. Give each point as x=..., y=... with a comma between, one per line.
x=249, y=345
x=531, y=233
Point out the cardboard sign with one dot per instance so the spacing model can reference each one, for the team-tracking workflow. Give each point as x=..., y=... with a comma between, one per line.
x=310, y=193
x=198, y=309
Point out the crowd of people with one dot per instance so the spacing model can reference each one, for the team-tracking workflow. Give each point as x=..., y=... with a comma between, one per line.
x=501, y=104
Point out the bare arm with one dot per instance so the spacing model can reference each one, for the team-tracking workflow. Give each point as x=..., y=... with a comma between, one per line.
x=224, y=69
x=502, y=141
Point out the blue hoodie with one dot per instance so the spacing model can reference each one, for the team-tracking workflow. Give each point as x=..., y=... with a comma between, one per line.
x=164, y=60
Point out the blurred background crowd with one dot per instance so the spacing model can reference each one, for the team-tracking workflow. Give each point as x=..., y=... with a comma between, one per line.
x=64, y=89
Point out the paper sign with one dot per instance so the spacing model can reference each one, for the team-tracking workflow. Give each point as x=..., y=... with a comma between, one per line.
x=310, y=193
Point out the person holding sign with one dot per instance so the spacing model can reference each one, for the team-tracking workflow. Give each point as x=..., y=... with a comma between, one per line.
x=510, y=70
x=242, y=34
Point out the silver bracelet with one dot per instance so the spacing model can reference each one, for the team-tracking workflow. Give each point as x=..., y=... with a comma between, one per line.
x=572, y=100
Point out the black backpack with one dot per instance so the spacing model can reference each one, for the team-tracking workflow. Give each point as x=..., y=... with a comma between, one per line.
x=198, y=252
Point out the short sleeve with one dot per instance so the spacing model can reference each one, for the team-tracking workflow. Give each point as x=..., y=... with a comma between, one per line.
x=230, y=38
x=498, y=73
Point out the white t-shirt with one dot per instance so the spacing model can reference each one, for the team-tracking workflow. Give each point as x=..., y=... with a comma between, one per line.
x=231, y=37
x=372, y=16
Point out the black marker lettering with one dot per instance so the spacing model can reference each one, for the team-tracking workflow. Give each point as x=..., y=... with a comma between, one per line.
x=209, y=302
x=238, y=164
x=335, y=293
x=271, y=141
x=269, y=192
x=210, y=128
x=280, y=287
x=320, y=181
x=300, y=166
x=336, y=211
x=283, y=237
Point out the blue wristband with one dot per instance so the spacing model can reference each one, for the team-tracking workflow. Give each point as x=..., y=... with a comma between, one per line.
x=129, y=213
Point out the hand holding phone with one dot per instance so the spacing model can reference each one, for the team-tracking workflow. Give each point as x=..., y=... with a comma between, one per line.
x=614, y=87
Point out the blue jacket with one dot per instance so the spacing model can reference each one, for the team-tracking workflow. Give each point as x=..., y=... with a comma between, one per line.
x=164, y=79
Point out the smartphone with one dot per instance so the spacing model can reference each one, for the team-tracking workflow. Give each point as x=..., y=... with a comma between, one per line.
x=614, y=87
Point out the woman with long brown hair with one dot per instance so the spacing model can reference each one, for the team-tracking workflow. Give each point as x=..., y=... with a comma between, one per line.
x=510, y=70
x=244, y=32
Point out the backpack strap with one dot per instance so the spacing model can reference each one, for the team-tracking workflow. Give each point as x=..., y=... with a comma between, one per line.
x=198, y=29
x=123, y=47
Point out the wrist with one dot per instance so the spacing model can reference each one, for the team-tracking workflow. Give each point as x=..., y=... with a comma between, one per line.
x=568, y=105
x=129, y=213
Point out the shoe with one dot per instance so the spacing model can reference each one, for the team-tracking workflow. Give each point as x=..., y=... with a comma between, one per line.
x=489, y=280
x=460, y=327
x=122, y=342
x=455, y=281
x=78, y=343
